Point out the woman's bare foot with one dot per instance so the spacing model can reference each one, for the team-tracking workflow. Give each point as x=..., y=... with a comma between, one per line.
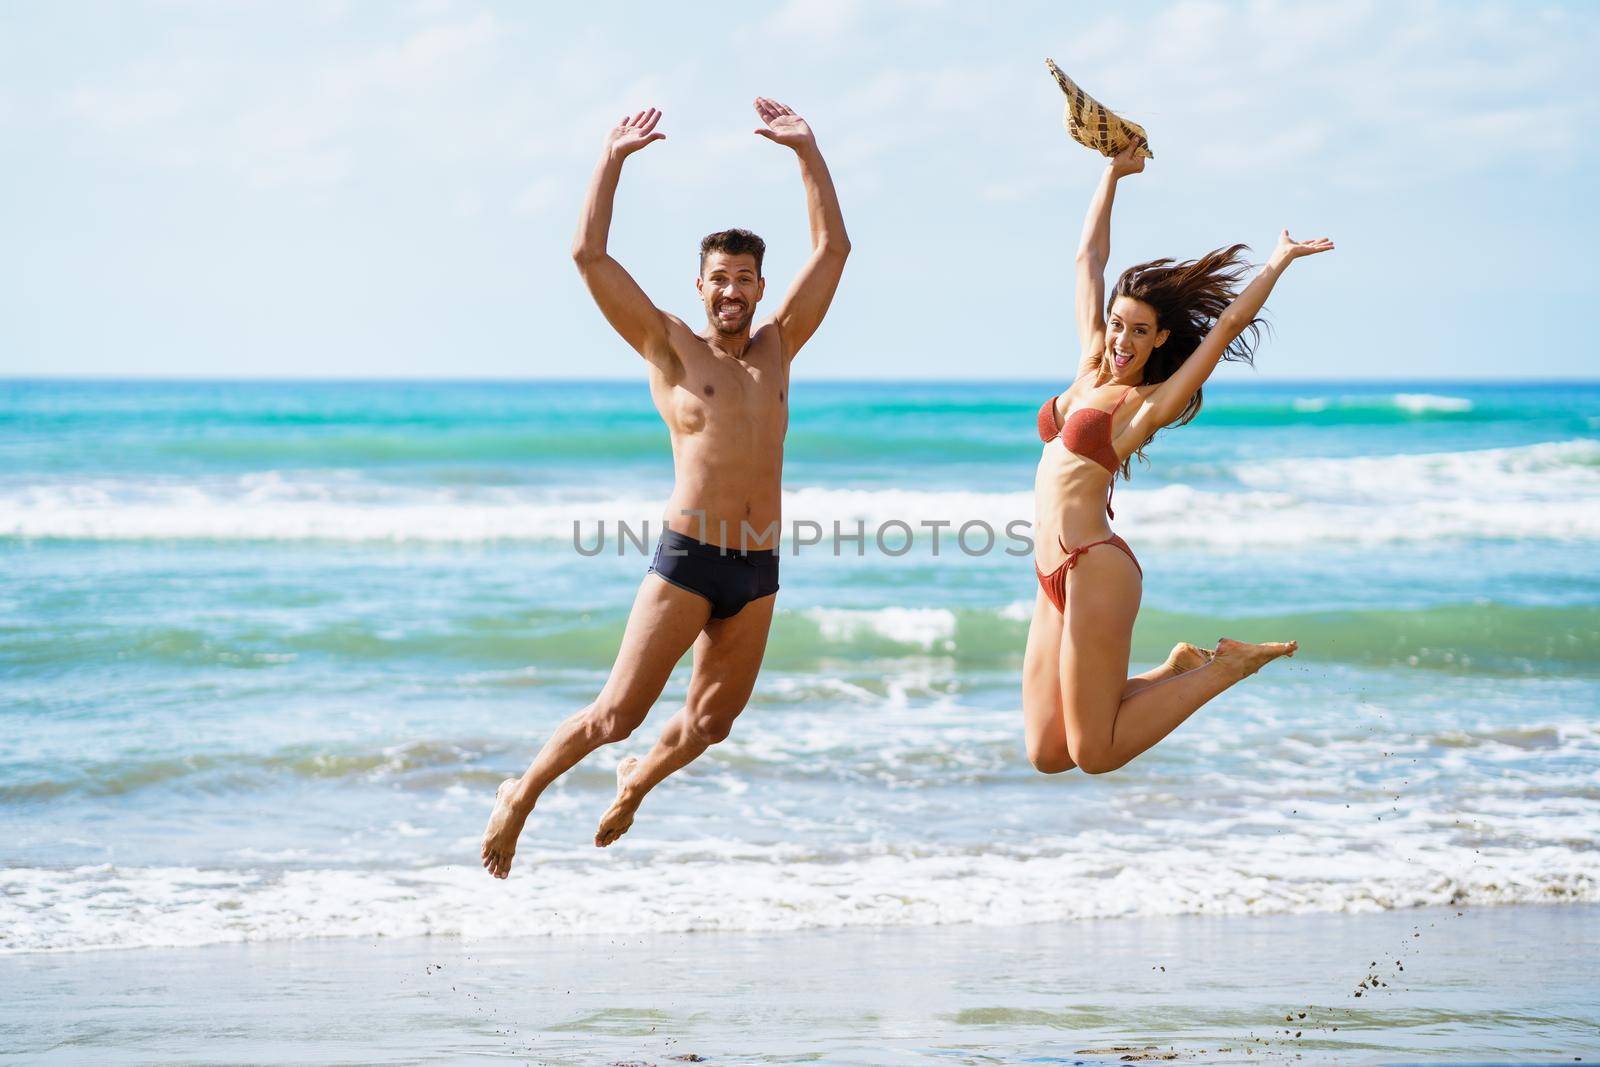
x=1246, y=659
x=615, y=822
x=1186, y=657
x=505, y=826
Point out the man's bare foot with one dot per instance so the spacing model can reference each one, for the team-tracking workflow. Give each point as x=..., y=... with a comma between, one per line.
x=505, y=826
x=1246, y=659
x=1186, y=657
x=615, y=822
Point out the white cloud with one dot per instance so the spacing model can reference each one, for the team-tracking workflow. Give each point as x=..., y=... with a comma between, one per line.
x=429, y=9
x=118, y=109
x=1360, y=92
x=307, y=121
x=911, y=111
x=1356, y=93
x=304, y=137
x=835, y=23
x=421, y=60
x=814, y=21
x=939, y=121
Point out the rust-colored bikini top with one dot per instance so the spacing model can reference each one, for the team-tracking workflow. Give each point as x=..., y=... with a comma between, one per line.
x=1087, y=433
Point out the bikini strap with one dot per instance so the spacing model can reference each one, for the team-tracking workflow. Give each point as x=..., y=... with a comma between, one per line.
x=1073, y=553
x=1111, y=487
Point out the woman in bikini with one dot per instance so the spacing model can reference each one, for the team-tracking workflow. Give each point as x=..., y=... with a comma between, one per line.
x=1164, y=330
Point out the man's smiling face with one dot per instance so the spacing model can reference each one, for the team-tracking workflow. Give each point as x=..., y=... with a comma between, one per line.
x=730, y=286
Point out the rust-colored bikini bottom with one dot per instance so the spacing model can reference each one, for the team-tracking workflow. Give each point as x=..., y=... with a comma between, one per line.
x=1054, y=584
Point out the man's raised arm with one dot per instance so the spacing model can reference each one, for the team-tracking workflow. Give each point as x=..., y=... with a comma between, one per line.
x=808, y=298
x=623, y=303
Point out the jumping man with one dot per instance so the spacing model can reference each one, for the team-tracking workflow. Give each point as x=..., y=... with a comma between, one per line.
x=723, y=393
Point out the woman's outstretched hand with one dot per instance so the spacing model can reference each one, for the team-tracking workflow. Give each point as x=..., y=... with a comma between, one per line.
x=1289, y=249
x=1128, y=161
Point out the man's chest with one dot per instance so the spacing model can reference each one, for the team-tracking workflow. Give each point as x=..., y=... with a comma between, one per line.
x=748, y=393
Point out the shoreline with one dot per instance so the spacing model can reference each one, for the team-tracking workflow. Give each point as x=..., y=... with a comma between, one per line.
x=1479, y=984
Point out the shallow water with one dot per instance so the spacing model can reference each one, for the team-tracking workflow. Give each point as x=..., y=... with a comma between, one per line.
x=265, y=650
x=1476, y=985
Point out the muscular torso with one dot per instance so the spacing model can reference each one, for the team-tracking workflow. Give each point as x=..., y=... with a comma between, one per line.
x=727, y=417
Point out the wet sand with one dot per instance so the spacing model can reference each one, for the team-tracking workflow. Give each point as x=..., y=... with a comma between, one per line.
x=1513, y=984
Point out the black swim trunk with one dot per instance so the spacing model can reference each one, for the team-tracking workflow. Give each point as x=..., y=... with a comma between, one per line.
x=728, y=578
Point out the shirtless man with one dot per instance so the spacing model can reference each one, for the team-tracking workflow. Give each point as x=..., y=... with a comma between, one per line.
x=723, y=393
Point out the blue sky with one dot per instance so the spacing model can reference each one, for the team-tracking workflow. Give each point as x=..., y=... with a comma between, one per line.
x=360, y=189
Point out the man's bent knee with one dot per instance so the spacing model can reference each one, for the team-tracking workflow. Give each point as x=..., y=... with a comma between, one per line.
x=712, y=727
x=607, y=725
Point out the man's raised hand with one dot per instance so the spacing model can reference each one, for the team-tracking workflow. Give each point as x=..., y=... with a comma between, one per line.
x=633, y=133
x=783, y=125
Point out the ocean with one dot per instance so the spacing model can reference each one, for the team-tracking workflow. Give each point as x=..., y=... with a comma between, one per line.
x=266, y=649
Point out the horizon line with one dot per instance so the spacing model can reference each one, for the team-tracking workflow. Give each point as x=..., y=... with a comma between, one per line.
x=177, y=379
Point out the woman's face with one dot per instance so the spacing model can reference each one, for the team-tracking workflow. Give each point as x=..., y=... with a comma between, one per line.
x=1131, y=335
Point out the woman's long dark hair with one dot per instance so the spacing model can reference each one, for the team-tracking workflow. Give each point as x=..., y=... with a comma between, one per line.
x=1187, y=298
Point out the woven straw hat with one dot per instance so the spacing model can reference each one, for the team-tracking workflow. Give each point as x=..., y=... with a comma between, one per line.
x=1093, y=125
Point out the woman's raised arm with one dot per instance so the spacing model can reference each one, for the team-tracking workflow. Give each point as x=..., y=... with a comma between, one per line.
x=1172, y=395
x=1094, y=249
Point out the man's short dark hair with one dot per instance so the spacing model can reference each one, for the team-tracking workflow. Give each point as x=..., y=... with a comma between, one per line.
x=734, y=243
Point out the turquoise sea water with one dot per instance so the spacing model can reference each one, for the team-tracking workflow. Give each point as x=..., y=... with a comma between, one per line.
x=265, y=649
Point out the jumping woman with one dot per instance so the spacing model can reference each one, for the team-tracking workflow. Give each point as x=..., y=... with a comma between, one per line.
x=1146, y=353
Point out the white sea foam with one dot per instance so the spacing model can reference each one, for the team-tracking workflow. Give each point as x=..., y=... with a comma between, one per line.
x=1017, y=611
x=835, y=818
x=1418, y=403
x=1414, y=403
x=729, y=886
x=928, y=628
x=1543, y=473
x=1535, y=491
